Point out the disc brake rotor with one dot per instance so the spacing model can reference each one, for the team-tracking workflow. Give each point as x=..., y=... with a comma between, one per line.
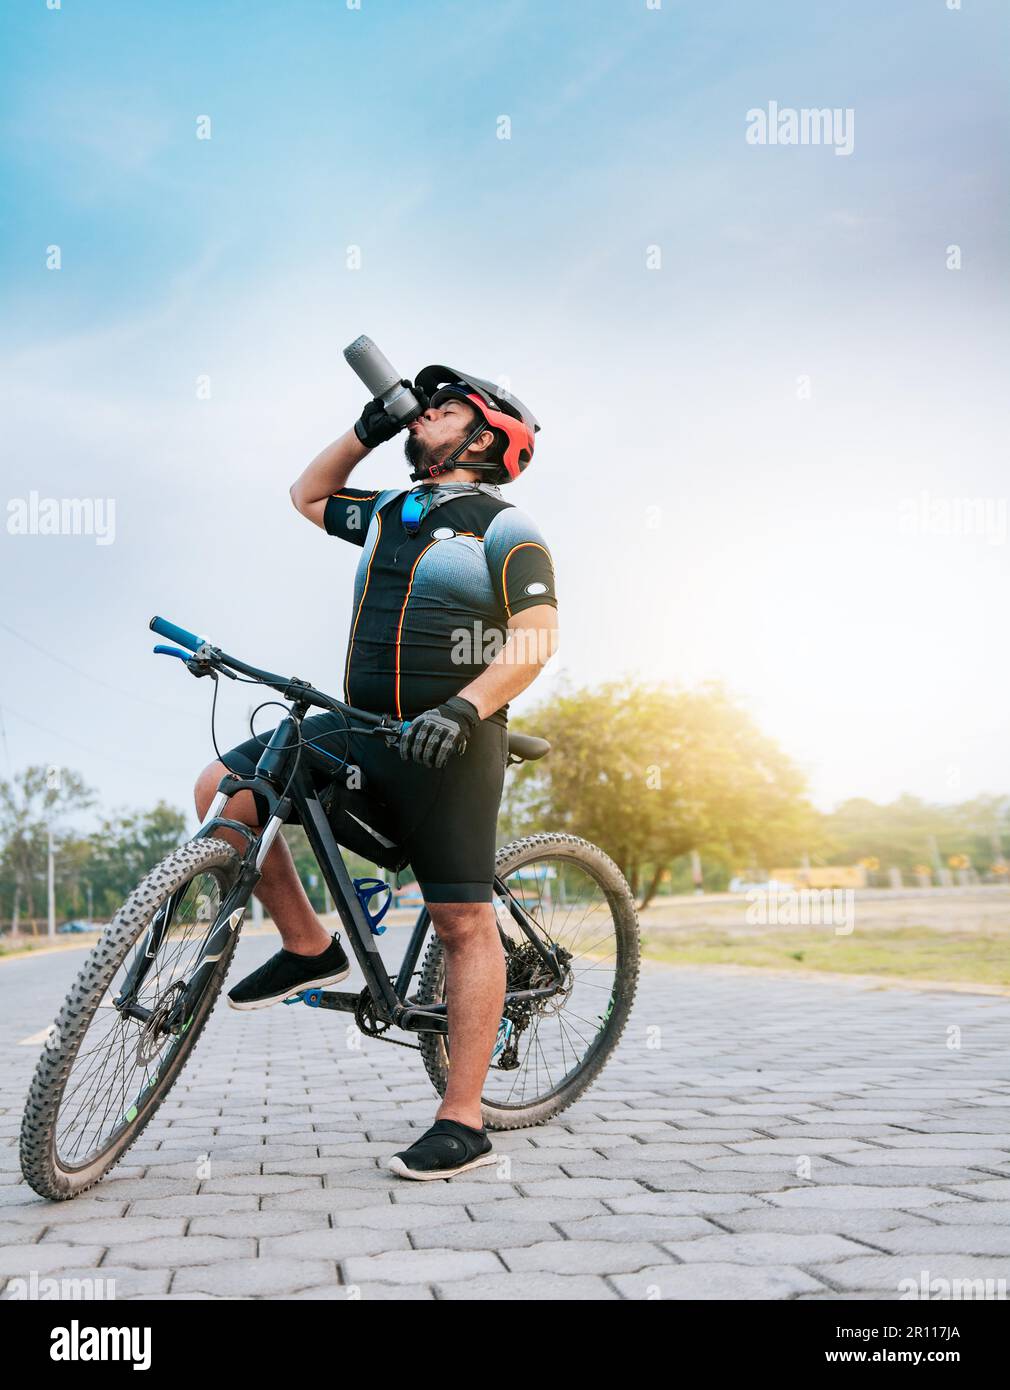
x=154, y=1031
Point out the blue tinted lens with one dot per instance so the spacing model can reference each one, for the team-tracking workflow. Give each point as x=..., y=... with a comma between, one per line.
x=413, y=510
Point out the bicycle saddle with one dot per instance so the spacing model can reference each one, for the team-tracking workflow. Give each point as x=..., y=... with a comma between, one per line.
x=526, y=748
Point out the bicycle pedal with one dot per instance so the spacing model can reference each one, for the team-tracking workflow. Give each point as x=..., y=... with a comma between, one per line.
x=312, y=997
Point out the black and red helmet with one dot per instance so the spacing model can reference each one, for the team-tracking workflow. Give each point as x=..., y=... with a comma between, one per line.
x=501, y=411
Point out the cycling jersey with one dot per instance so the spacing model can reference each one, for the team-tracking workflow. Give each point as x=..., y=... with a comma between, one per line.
x=431, y=608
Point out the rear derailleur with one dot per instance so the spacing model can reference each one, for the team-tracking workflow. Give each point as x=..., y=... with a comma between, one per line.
x=525, y=969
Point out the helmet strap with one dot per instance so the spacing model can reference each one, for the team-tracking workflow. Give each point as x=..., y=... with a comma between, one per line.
x=434, y=470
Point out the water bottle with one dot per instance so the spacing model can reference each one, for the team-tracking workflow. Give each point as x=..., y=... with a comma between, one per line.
x=382, y=380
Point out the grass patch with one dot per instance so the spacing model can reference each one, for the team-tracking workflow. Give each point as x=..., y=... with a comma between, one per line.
x=911, y=953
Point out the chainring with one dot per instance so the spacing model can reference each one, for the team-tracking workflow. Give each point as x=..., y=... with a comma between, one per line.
x=373, y=1026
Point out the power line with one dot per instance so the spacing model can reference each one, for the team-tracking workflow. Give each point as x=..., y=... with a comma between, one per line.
x=85, y=748
x=97, y=680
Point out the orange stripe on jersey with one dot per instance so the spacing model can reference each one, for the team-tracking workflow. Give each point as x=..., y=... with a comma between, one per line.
x=504, y=569
x=368, y=577
x=403, y=611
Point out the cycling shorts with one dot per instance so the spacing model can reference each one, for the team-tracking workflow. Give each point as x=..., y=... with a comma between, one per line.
x=445, y=819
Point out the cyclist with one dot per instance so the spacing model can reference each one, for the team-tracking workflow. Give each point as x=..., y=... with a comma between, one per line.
x=454, y=614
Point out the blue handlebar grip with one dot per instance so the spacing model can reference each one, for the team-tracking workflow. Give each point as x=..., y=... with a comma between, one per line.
x=176, y=634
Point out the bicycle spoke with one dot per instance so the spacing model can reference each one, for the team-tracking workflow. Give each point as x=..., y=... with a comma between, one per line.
x=567, y=909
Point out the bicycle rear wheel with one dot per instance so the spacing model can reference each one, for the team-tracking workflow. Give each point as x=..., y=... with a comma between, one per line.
x=102, y=1075
x=578, y=900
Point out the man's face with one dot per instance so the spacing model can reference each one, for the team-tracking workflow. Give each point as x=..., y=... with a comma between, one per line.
x=442, y=428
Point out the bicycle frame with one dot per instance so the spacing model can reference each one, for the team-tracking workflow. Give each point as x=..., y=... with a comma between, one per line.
x=275, y=769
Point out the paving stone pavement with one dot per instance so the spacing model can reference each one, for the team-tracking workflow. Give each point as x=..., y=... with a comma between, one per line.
x=753, y=1137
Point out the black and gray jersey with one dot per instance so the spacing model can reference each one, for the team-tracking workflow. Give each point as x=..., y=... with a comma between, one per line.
x=431, y=610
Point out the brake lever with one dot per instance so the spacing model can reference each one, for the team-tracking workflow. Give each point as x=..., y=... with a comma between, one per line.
x=392, y=733
x=201, y=663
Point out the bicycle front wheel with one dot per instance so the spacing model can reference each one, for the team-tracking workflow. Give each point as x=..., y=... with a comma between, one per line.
x=579, y=903
x=103, y=1074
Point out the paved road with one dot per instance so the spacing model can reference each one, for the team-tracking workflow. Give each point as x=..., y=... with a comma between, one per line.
x=753, y=1137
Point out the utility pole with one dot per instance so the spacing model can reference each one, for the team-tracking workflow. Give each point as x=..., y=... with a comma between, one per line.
x=51, y=885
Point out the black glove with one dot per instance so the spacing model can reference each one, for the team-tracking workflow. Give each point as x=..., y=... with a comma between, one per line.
x=374, y=426
x=434, y=735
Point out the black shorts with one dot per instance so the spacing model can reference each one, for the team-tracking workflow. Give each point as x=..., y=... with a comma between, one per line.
x=445, y=819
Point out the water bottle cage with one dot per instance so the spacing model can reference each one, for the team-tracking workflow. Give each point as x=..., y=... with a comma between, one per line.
x=366, y=889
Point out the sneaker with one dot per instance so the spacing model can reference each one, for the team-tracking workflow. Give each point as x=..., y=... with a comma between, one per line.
x=286, y=973
x=443, y=1151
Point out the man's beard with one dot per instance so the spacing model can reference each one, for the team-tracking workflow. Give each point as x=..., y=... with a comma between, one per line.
x=421, y=455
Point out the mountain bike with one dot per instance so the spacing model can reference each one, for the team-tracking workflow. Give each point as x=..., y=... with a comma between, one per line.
x=565, y=914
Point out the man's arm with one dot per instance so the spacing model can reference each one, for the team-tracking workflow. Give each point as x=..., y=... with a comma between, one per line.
x=532, y=641
x=327, y=474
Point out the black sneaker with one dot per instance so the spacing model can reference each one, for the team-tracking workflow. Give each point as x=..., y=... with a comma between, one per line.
x=285, y=974
x=443, y=1151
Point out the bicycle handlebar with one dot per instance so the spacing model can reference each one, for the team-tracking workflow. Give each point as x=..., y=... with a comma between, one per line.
x=291, y=687
x=176, y=634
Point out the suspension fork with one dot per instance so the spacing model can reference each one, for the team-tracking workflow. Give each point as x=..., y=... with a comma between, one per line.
x=229, y=918
x=271, y=768
x=229, y=915
x=227, y=921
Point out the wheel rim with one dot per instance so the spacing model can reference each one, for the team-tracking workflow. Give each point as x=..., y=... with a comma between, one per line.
x=119, y=1060
x=571, y=909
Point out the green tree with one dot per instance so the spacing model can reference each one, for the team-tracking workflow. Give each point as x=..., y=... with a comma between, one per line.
x=34, y=803
x=908, y=831
x=651, y=773
x=126, y=846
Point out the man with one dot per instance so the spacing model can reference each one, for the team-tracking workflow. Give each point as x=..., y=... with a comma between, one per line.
x=454, y=614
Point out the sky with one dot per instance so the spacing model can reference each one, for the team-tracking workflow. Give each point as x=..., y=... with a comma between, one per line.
x=771, y=376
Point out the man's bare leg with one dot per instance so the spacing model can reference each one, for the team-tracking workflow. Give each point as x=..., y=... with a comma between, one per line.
x=475, y=995
x=280, y=889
